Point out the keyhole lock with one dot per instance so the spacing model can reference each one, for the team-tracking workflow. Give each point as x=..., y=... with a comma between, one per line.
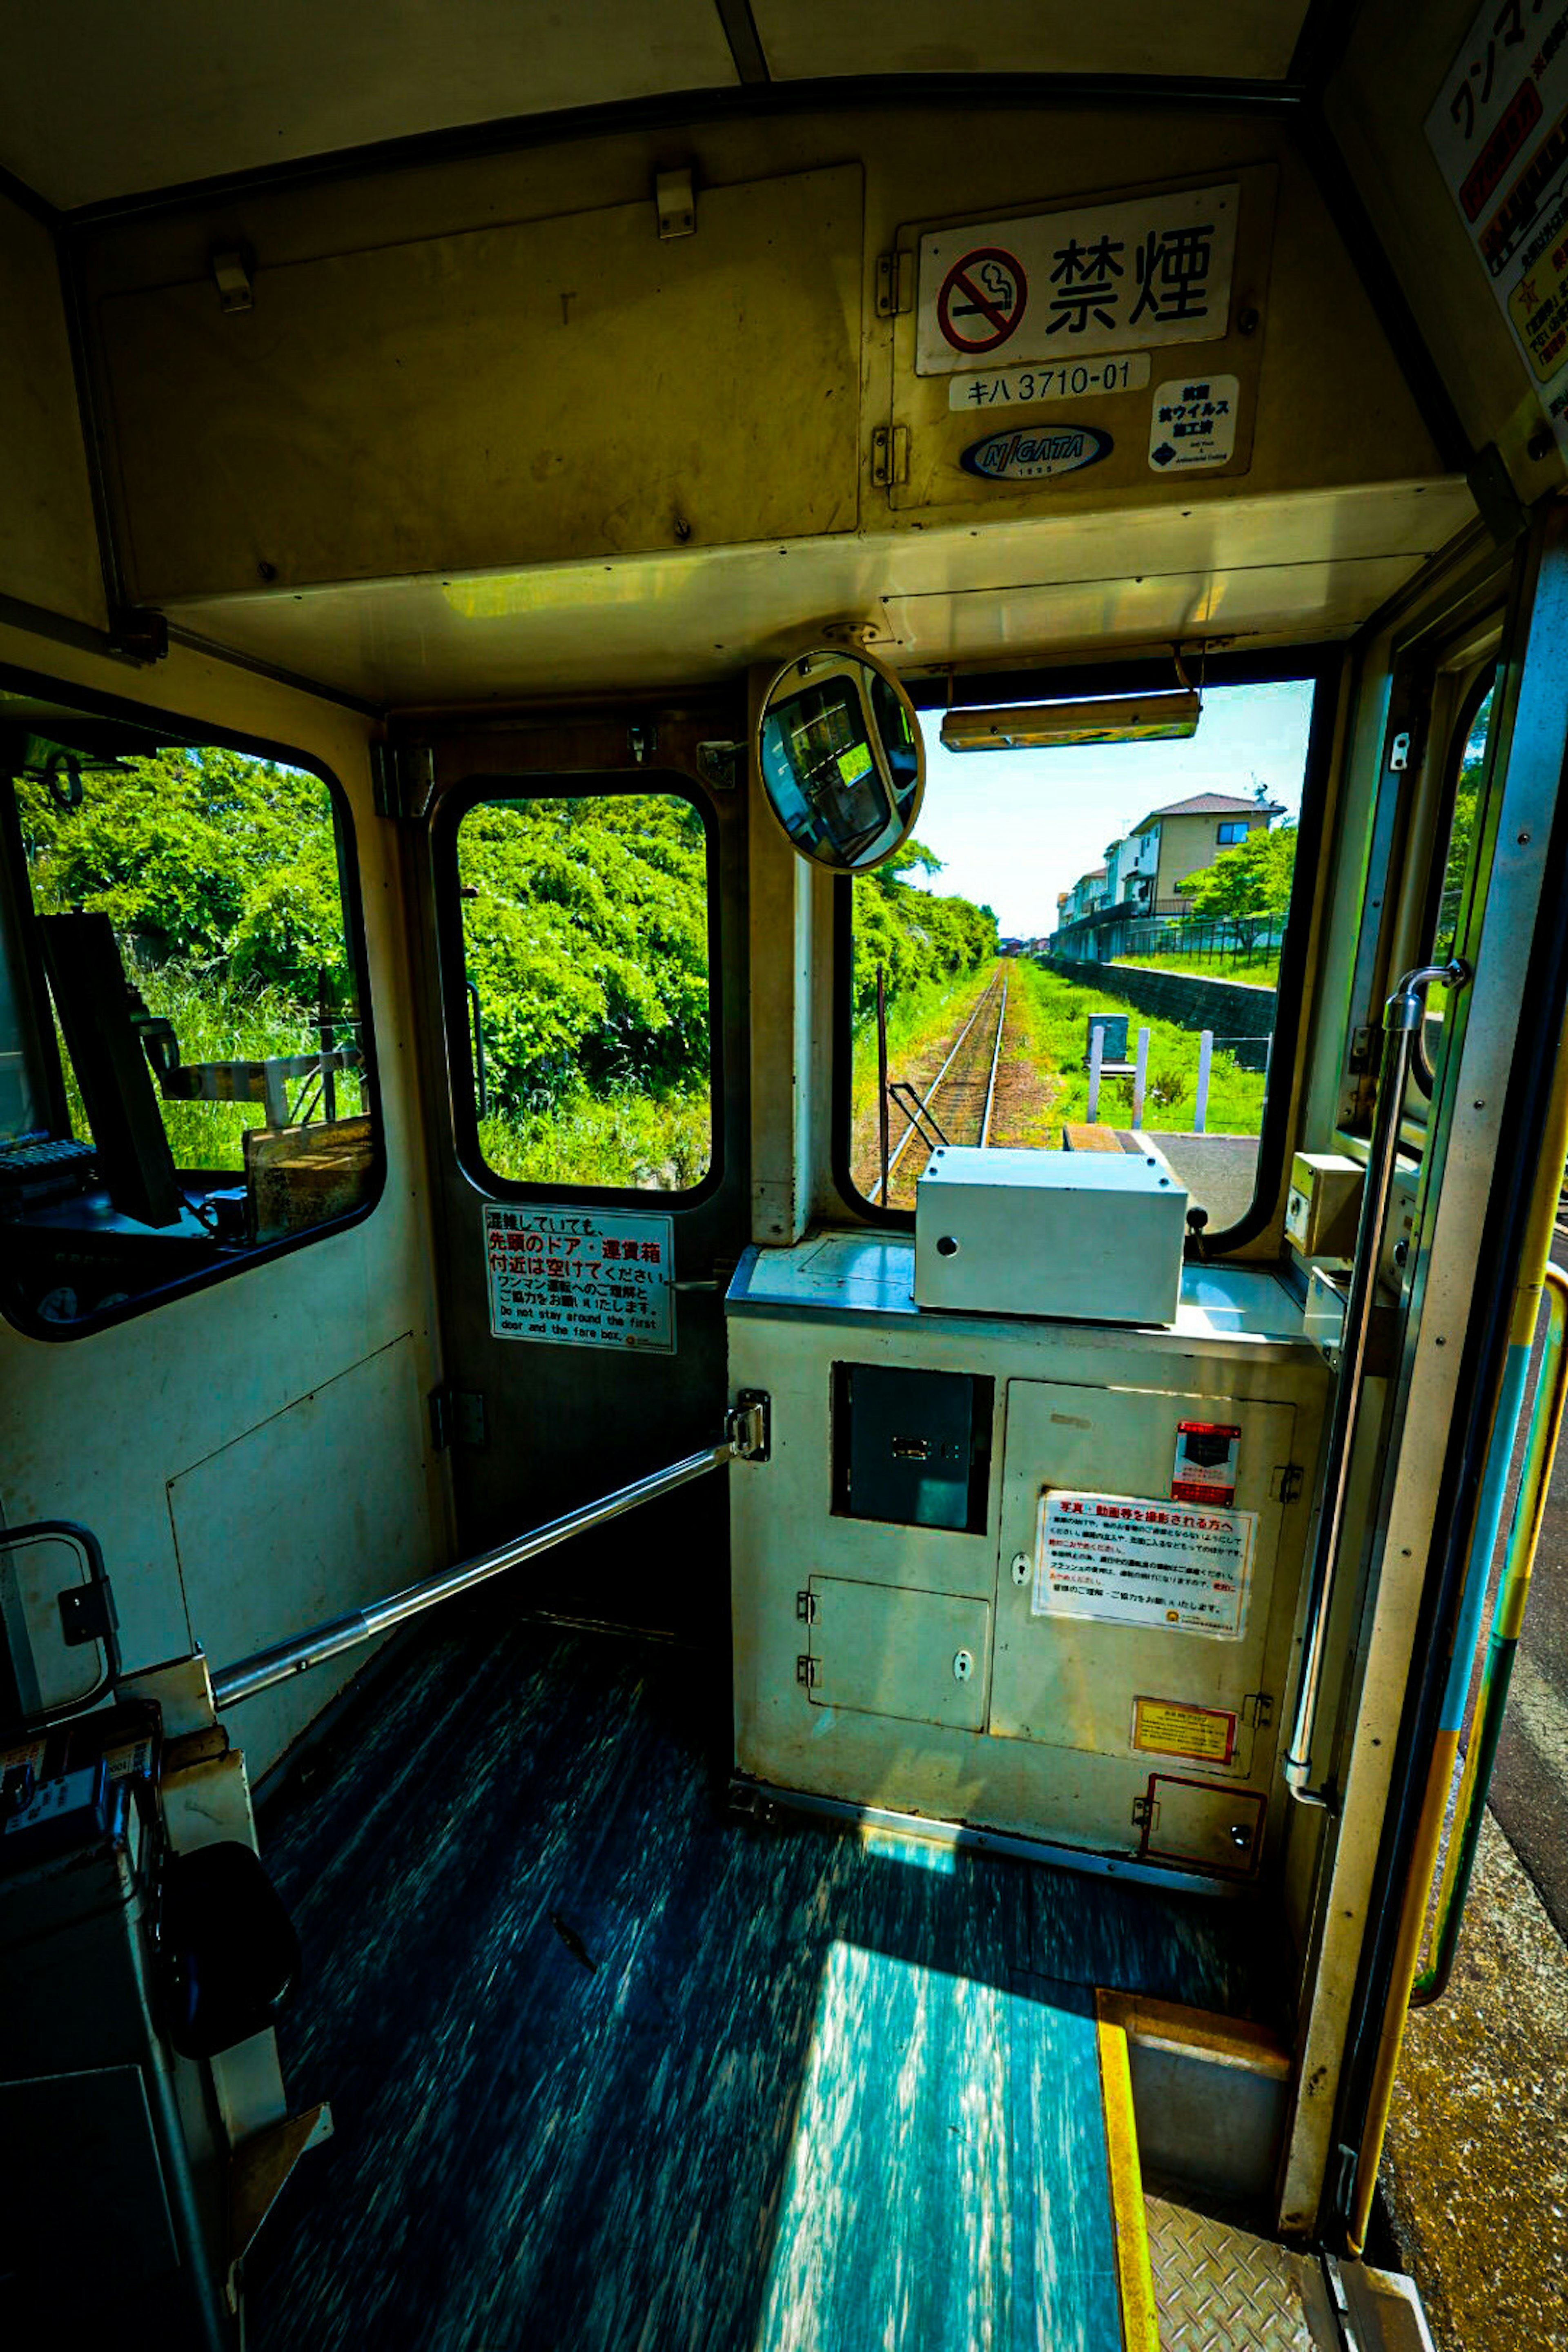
x=963, y=1665
x=1020, y=1567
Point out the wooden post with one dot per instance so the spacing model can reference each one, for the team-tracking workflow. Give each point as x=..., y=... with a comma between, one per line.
x=1205, y=1056
x=1096, y=1056
x=1139, y=1077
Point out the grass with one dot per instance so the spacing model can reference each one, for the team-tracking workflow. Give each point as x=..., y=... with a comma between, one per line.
x=216, y=1021
x=1261, y=970
x=624, y=1139
x=1055, y=1014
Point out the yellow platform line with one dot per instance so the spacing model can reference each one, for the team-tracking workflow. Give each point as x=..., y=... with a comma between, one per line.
x=1129, y=2219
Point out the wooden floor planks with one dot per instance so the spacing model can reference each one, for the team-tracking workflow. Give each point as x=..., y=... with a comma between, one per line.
x=609, y=2071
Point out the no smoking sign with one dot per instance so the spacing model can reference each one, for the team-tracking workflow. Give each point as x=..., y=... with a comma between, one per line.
x=982, y=300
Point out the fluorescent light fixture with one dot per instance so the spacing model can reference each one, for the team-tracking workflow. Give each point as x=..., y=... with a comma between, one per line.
x=1167, y=716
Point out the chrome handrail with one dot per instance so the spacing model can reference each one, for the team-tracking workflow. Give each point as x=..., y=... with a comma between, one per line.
x=295, y=1656
x=1401, y=1018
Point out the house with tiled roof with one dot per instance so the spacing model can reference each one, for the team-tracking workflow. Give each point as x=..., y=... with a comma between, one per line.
x=1181, y=838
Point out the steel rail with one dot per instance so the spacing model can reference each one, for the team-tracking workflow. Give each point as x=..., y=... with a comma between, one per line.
x=995, y=1061
x=296, y=1656
x=925, y=1098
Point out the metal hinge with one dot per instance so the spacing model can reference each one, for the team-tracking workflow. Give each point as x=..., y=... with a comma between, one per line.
x=719, y=764
x=1359, y=1058
x=889, y=455
x=1288, y=1482
x=403, y=779
x=806, y=1607
x=87, y=1614
x=1399, y=753
x=675, y=203
x=805, y=1672
x=456, y=1418
x=895, y=283
x=1257, y=1708
x=747, y=1425
x=138, y=633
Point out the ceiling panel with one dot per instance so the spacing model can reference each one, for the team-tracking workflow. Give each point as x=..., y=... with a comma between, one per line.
x=1264, y=570
x=1223, y=40
x=101, y=99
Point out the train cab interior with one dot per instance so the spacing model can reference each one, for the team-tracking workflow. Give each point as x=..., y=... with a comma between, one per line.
x=671, y=1677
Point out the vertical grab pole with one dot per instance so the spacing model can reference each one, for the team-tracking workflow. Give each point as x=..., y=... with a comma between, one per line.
x=882, y=1076
x=1139, y=1077
x=1205, y=1056
x=1096, y=1056
x=1401, y=1016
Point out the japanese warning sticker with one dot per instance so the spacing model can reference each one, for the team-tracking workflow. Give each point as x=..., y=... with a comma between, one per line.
x=585, y=1279
x=1499, y=128
x=1206, y=1462
x=1168, y=1726
x=1126, y=1560
x=1054, y=287
x=1193, y=423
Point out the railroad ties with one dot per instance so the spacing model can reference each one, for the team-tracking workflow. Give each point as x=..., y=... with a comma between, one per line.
x=957, y=1106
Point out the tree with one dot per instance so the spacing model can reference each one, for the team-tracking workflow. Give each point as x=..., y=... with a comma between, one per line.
x=1250, y=882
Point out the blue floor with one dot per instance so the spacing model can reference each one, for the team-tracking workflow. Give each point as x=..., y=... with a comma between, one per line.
x=608, y=2071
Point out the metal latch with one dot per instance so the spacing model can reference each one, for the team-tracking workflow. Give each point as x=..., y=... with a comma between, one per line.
x=87, y=1614
x=895, y=283
x=746, y=1425
x=231, y=276
x=1288, y=1482
x=889, y=455
x=1146, y=1812
x=456, y=1418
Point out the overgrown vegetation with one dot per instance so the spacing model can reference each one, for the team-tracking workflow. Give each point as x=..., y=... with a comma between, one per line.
x=1056, y=1015
x=585, y=936
x=1259, y=970
x=220, y=873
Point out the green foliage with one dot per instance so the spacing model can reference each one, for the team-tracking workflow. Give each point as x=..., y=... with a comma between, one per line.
x=1054, y=1017
x=1258, y=969
x=1253, y=879
x=585, y=934
x=916, y=937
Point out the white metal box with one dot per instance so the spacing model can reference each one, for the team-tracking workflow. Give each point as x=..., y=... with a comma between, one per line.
x=1324, y=1204
x=1096, y=1235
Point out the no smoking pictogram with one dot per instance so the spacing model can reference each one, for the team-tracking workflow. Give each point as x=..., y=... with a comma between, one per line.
x=982, y=300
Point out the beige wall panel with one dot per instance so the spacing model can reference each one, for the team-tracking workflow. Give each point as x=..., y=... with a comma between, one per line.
x=102, y=99
x=1228, y=39
x=1377, y=108
x=49, y=542
x=562, y=387
x=95, y=1428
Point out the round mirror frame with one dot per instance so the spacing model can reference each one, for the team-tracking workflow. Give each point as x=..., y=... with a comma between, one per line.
x=832, y=661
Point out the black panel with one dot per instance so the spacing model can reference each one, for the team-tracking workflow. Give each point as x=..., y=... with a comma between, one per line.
x=912, y=1448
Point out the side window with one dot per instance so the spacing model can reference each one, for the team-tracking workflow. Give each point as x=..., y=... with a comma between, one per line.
x=588, y=982
x=1141, y=889
x=192, y=1079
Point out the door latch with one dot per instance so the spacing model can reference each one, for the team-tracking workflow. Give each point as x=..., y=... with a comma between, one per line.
x=746, y=1425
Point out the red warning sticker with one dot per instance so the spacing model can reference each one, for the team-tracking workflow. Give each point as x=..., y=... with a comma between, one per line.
x=1206, y=1462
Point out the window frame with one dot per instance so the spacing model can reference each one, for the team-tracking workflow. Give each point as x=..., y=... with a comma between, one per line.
x=1320, y=665
x=169, y=730
x=1230, y=831
x=454, y=804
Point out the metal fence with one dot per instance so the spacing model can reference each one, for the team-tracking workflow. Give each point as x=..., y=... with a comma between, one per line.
x=1115, y=932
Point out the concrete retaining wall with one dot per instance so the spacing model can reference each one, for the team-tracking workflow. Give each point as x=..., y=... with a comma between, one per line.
x=1241, y=1018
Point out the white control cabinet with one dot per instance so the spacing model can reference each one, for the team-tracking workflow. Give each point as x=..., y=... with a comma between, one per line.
x=1096, y=1235
x=1037, y=1577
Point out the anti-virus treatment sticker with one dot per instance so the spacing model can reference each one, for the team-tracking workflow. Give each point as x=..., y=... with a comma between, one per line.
x=1126, y=1560
x=582, y=1278
x=1206, y=1462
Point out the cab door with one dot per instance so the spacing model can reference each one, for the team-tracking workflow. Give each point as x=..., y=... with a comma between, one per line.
x=579, y=898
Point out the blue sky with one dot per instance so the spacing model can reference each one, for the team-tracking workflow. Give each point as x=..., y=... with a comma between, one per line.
x=1012, y=828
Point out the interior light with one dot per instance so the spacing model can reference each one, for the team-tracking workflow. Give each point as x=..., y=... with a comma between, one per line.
x=1169, y=715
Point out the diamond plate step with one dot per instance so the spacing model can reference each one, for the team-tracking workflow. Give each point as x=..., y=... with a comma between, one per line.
x=1222, y=2289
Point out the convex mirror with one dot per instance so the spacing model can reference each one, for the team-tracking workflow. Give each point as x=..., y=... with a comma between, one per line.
x=841, y=758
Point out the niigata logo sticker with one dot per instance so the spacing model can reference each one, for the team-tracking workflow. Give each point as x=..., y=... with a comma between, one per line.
x=1028, y=452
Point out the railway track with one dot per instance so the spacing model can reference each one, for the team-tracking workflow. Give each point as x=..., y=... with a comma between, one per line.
x=956, y=1107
